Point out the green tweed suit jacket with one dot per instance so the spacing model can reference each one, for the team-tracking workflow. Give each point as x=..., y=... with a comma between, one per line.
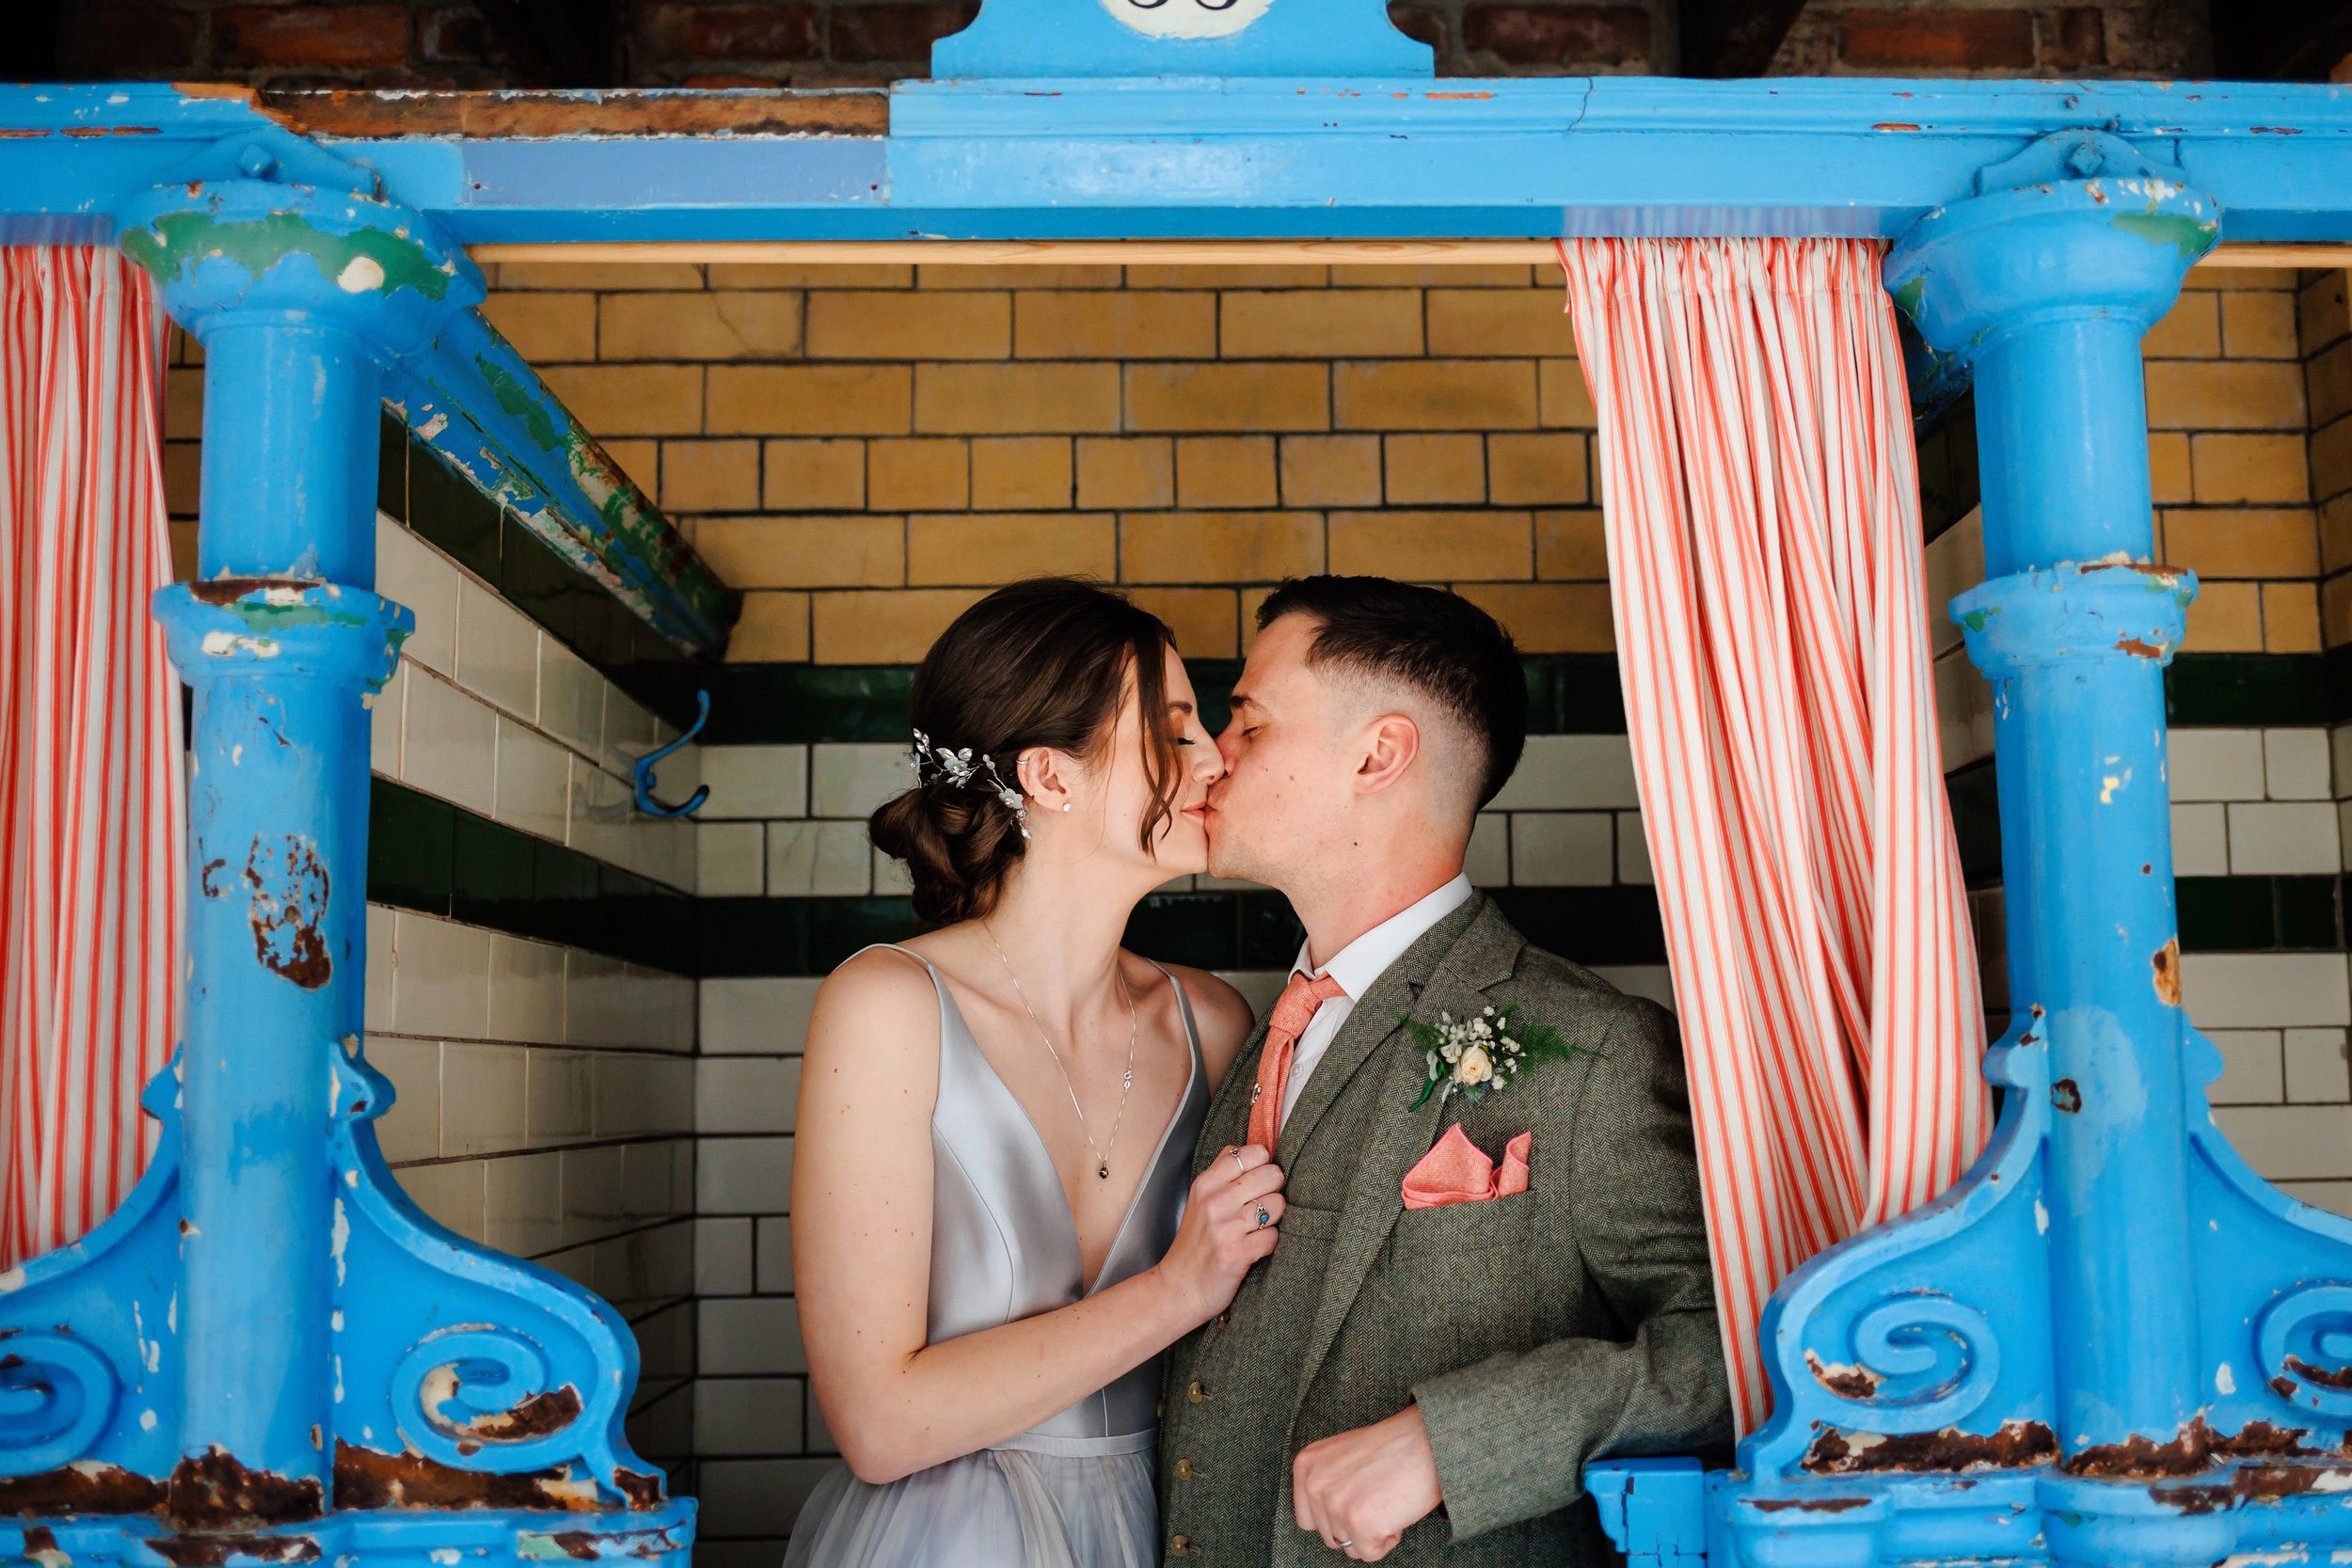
x=1536, y=1331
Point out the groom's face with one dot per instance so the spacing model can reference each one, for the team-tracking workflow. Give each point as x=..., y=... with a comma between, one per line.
x=1286, y=781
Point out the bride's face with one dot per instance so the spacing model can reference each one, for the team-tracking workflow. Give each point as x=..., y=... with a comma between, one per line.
x=1109, y=810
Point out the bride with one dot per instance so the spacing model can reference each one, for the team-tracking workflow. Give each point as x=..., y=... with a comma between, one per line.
x=997, y=1118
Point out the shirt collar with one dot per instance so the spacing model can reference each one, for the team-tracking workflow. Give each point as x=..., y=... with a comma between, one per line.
x=1361, y=961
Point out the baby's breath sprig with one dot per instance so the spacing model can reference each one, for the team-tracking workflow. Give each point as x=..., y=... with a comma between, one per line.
x=1488, y=1051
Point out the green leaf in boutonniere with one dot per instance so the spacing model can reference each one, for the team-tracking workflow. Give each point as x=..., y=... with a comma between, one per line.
x=1475, y=1056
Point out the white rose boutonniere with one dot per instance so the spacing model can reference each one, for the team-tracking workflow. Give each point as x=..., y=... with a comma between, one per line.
x=1473, y=1056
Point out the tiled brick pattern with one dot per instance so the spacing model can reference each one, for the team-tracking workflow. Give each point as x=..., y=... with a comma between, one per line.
x=839, y=43
x=546, y=1093
x=867, y=450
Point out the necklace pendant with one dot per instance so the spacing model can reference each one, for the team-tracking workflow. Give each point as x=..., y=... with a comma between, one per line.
x=1103, y=1170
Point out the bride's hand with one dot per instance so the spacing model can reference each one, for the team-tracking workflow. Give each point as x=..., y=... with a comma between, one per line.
x=1220, y=1235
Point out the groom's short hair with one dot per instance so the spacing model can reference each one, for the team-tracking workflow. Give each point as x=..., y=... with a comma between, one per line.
x=1437, y=644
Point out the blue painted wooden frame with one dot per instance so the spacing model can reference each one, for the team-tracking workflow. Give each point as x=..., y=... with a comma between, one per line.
x=2110, y=1344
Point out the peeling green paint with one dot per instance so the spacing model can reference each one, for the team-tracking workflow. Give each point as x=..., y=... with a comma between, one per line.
x=363, y=260
x=2192, y=237
x=1909, y=296
x=518, y=400
x=262, y=616
x=1974, y=619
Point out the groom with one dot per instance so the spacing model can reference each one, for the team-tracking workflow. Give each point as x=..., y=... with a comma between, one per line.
x=1410, y=1382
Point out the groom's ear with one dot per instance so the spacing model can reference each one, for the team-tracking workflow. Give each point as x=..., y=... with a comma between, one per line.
x=1390, y=743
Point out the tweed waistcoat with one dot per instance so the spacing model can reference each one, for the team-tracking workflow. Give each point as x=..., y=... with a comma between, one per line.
x=1534, y=1331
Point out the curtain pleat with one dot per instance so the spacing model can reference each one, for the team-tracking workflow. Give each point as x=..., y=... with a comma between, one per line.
x=93, y=815
x=1762, y=515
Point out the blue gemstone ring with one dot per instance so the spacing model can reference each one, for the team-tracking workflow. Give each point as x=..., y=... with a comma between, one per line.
x=1263, y=1219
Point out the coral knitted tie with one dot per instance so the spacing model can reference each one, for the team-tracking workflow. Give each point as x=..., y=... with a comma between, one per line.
x=1293, y=1012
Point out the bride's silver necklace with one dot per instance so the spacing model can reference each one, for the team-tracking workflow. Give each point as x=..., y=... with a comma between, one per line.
x=1126, y=1082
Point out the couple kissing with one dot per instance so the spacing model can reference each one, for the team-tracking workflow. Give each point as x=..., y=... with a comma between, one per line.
x=1095, y=1269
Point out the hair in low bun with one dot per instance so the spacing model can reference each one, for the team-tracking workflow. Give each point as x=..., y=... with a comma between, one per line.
x=1040, y=662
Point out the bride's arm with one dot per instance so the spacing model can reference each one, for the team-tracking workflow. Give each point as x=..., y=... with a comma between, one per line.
x=862, y=1251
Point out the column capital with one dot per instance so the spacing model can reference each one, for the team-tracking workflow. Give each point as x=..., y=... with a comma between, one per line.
x=227, y=248
x=2081, y=222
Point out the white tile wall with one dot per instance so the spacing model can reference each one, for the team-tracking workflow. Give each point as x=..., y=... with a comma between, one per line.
x=492, y=714
x=819, y=859
x=756, y=780
x=2282, y=837
x=2215, y=765
x=852, y=780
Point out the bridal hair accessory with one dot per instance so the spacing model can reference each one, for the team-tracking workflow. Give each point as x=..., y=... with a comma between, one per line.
x=956, y=767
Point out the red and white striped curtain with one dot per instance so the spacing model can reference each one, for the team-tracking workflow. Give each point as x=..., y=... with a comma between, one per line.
x=1762, y=515
x=91, y=810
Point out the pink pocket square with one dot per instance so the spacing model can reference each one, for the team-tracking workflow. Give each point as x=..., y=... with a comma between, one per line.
x=1456, y=1171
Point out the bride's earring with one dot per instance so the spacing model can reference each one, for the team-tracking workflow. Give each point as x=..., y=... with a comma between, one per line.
x=1065, y=805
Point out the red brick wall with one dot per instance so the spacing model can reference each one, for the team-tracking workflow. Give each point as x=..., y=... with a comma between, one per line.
x=816, y=42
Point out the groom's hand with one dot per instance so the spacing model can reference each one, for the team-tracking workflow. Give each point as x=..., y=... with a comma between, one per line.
x=1368, y=1486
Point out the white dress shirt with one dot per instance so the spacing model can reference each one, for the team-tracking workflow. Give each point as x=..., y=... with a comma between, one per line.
x=1356, y=967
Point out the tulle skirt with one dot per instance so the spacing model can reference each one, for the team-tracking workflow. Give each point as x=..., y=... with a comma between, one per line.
x=999, y=1508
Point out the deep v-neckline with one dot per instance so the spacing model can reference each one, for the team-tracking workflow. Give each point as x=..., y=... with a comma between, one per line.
x=1045, y=1150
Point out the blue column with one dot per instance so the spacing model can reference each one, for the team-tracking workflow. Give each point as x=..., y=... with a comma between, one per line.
x=298, y=297
x=2049, y=289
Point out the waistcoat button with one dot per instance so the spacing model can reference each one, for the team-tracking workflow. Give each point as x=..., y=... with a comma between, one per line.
x=1184, y=1469
x=1197, y=1392
x=1179, y=1546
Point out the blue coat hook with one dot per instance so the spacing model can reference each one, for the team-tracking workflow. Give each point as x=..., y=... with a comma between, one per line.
x=643, y=770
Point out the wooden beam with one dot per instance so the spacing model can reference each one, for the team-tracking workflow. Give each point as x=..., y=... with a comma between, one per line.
x=1734, y=37
x=1341, y=253
x=2280, y=41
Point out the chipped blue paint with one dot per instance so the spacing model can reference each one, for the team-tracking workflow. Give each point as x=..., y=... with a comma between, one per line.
x=2111, y=1344
x=270, y=1345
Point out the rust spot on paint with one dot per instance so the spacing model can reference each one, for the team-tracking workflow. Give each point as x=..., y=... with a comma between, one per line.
x=40, y=1539
x=2143, y=1458
x=212, y=1551
x=1894, y=125
x=1445, y=95
x=2067, y=1095
x=2339, y=1378
x=217, y=1493
x=2168, y=966
x=2138, y=648
x=2017, y=1446
x=1808, y=1505
x=2253, y=1484
x=1853, y=1383
x=2286, y=1389
x=83, y=133
x=369, y=1478
x=541, y=1414
x=2262, y=1440
x=2274, y=130
x=641, y=1490
x=290, y=891
x=220, y=590
x=84, y=1488
x=204, y=880
x=528, y=116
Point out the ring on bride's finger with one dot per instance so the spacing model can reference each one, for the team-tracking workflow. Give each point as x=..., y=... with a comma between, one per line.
x=1264, y=1219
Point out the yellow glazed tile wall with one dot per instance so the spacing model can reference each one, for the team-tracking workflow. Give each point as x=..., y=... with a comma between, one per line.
x=865, y=449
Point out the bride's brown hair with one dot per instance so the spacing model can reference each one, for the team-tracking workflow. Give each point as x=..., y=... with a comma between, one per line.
x=1040, y=662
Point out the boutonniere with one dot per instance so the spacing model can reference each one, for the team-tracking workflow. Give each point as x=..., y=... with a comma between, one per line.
x=1472, y=1056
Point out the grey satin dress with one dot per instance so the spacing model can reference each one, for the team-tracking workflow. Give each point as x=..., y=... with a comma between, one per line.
x=1076, y=1490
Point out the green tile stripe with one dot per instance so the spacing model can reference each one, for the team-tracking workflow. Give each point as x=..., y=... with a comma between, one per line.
x=2260, y=914
x=1213, y=931
x=812, y=703
x=429, y=855
x=1567, y=694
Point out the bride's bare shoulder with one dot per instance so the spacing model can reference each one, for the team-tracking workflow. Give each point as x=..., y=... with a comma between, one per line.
x=884, y=996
